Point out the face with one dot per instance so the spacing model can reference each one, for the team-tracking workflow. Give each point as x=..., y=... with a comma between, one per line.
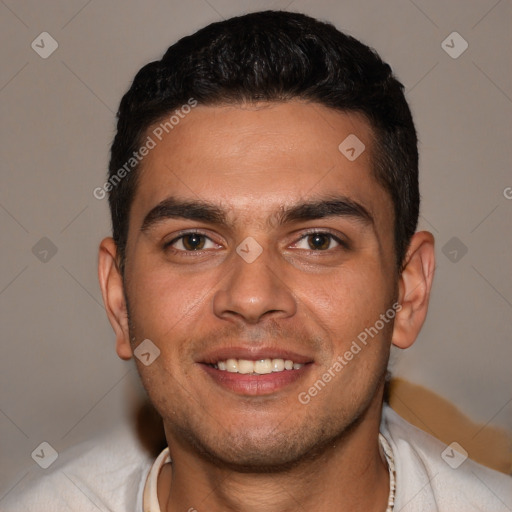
x=254, y=238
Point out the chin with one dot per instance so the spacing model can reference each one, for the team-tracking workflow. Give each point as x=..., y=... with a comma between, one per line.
x=266, y=450
x=257, y=458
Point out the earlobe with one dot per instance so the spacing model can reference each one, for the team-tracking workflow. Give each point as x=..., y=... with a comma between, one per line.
x=414, y=289
x=112, y=290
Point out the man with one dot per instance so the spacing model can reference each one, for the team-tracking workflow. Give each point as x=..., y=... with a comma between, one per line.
x=263, y=187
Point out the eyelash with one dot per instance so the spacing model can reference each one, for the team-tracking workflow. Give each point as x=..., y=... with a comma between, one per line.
x=168, y=245
x=342, y=243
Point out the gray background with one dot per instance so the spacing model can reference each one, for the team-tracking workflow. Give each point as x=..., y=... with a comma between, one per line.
x=60, y=380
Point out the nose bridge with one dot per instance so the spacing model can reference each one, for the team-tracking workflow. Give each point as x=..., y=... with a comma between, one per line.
x=253, y=287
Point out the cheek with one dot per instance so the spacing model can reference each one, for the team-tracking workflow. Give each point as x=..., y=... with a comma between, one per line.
x=163, y=302
x=166, y=310
x=348, y=300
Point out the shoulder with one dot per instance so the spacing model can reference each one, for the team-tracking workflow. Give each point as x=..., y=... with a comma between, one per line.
x=431, y=476
x=107, y=472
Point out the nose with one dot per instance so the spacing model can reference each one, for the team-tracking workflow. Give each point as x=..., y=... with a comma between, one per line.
x=254, y=290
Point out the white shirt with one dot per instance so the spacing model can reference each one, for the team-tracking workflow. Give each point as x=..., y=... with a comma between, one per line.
x=110, y=474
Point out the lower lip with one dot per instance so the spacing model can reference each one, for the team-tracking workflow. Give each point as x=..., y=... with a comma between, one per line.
x=256, y=385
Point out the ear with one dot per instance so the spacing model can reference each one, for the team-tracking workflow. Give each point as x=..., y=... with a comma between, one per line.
x=414, y=288
x=112, y=289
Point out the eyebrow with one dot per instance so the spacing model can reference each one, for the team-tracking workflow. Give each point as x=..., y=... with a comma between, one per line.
x=327, y=207
x=198, y=210
x=173, y=208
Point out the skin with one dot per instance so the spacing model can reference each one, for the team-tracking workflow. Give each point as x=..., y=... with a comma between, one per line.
x=268, y=452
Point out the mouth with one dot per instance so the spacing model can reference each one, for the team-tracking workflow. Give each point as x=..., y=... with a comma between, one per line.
x=255, y=372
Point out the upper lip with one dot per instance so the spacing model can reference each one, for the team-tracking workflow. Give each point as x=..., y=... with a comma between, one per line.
x=252, y=353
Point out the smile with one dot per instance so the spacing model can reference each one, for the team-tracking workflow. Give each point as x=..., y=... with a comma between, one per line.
x=258, y=367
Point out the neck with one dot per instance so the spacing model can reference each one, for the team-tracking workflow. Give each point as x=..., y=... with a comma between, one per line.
x=350, y=475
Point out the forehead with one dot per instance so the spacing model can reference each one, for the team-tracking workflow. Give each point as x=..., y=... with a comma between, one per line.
x=255, y=159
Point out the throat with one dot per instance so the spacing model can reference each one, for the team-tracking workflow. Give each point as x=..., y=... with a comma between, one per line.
x=242, y=492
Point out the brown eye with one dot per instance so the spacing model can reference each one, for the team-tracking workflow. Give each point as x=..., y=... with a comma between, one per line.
x=319, y=241
x=190, y=242
x=193, y=242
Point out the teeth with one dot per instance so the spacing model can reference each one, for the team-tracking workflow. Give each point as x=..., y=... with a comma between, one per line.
x=245, y=366
x=232, y=366
x=277, y=365
x=260, y=367
x=263, y=366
